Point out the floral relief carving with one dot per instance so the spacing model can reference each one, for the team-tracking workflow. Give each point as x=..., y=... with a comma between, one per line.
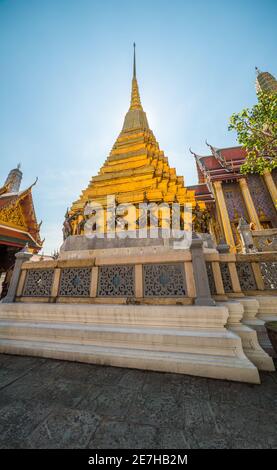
x=246, y=276
x=38, y=282
x=75, y=282
x=226, y=277
x=116, y=281
x=211, y=278
x=164, y=280
x=269, y=273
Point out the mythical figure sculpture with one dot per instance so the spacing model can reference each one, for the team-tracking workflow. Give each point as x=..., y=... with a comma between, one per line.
x=201, y=219
x=67, y=228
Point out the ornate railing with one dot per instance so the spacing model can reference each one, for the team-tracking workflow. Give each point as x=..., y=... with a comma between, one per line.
x=230, y=274
x=180, y=276
x=265, y=240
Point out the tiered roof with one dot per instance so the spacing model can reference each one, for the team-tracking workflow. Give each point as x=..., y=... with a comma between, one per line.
x=223, y=164
x=18, y=223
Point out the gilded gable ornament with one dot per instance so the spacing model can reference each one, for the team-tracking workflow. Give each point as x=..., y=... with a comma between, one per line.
x=13, y=215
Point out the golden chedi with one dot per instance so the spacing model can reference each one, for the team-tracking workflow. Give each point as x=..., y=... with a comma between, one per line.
x=136, y=170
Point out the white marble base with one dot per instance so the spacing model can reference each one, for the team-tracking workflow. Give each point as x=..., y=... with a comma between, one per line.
x=250, y=343
x=181, y=339
x=267, y=307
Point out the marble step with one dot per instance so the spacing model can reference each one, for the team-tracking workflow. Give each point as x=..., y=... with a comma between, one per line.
x=213, y=366
x=175, y=316
x=267, y=307
x=207, y=341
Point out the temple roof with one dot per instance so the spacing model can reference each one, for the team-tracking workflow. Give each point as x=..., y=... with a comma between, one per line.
x=221, y=164
x=18, y=223
x=202, y=192
x=17, y=238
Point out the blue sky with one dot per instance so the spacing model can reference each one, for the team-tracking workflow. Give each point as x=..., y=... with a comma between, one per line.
x=66, y=66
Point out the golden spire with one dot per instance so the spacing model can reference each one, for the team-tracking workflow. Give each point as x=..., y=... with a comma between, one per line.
x=136, y=170
x=134, y=65
x=135, y=98
x=265, y=82
x=135, y=117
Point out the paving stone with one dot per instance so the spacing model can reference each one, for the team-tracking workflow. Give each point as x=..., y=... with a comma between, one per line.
x=108, y=401
x=8, y=376
x=57, y=404
x=67, y=394
x=133, y=379
x=206, y=437
x=119, y=434
x=20, y=362
x=64, y=428
x=18, y=419
x=156, y=408
x=173, y=439
x=164, y=383
x=107, y=375
x=72, y=372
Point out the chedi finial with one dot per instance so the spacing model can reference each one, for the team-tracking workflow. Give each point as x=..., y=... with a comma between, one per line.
x=134, y=65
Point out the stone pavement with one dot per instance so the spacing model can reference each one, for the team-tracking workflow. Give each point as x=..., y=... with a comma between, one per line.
x=46, y=403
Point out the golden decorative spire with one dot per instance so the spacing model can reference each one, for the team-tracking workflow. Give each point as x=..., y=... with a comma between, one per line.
x=135, y=117
x=265, y=82
x=136, y=170
x=135, y=98
x=134, y=66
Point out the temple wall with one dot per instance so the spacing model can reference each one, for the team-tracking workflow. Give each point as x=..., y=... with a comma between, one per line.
x=251, y=198
x=262, y=200
x=235, y=206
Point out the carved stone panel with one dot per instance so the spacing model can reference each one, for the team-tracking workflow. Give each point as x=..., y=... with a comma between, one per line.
x=235, y=206
x=116, y=281
x=75, y=282
x=164, y=280
x=226, y=277
x=38, y=282
x=246, y=276
x=211, y=278
x=262, y=199
x=269, y=273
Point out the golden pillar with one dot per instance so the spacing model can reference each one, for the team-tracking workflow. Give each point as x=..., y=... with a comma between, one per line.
x=249, y=203
x=224, y=216
x=271, y=186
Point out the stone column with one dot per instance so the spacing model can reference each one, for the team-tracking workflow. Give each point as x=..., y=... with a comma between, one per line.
x=224, y=216
x=218, y=278
x=258, y=275
x=202, y=288
x=94, y=281
x=234, y=278
x=21, y=257
x=138, y=281
x=249, y=203
x=56, y=282
x=190, y=284
x=271, y=186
